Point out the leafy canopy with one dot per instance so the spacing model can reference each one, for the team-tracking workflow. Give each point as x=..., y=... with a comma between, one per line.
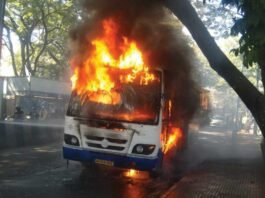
x=41, y=28
x=251, y=28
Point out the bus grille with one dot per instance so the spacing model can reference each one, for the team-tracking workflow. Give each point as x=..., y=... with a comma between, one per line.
x=117, y=148
x=112, y=140
x=105, y=140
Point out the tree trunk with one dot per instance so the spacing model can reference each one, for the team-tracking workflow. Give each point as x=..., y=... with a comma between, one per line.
x=45, y=41
x=248, y=93
x=2, y=14
x=28, y=62
x=56, y=60
x=11, y=50
x=23, y=59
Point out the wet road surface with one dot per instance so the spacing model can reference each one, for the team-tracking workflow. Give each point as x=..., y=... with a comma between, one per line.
x=42, y=172
x=205, y=169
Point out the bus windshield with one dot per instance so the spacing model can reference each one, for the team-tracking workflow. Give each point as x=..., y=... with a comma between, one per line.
x=138, y=104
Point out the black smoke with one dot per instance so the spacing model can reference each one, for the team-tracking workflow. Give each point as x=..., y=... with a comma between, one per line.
x=159, y=35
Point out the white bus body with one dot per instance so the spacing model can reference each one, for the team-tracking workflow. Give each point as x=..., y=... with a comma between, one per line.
x=111, y=142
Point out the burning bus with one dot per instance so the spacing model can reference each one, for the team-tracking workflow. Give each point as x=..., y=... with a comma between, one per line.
x=119, y=114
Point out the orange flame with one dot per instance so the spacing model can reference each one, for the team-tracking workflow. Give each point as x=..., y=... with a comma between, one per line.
x=94, y=79
x=173, y=138
x=131, y=173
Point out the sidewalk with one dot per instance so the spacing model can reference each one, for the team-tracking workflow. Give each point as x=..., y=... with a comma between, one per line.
x=40, y=123
x=222, y=166
x=30, y=132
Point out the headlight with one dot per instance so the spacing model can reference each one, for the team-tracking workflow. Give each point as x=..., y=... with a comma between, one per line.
x=139, y=149
x=144, y=149
x=71, y=140
x=74, y=140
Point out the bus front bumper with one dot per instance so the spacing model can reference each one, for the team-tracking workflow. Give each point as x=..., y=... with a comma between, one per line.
x=78, y=154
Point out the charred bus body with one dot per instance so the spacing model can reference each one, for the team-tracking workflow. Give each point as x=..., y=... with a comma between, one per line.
x=134, y=133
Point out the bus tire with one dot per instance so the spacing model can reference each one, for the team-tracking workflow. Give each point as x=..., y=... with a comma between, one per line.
x=157, y=171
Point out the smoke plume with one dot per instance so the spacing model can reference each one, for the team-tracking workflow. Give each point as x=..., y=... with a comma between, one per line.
x=158, y=35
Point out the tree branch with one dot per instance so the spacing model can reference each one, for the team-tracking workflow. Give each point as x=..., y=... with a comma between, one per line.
x=11, y=50
x=249, y=94
x=217, y=59
x=44, y=43
x=57, y=61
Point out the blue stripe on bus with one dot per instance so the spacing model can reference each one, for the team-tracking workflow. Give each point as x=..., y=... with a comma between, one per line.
x=119, y=161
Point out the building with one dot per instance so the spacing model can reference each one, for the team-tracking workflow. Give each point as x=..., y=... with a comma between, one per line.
x=38, y=98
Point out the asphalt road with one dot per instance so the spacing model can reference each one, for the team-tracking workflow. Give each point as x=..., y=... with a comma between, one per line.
x=41, y=172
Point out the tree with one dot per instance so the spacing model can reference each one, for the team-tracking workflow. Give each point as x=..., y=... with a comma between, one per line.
x=251, y=28
x=42, y=29
x=249, y=94
x=2, y=13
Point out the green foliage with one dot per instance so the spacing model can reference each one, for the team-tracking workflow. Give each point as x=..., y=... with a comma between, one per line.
x=218, y=19
x=42, y=29
x=251, y=28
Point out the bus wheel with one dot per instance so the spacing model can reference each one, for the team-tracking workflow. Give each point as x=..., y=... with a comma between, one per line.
x=157, y=171
x=154, y=174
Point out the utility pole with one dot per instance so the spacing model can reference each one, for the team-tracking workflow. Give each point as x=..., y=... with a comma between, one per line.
x=2, y=14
